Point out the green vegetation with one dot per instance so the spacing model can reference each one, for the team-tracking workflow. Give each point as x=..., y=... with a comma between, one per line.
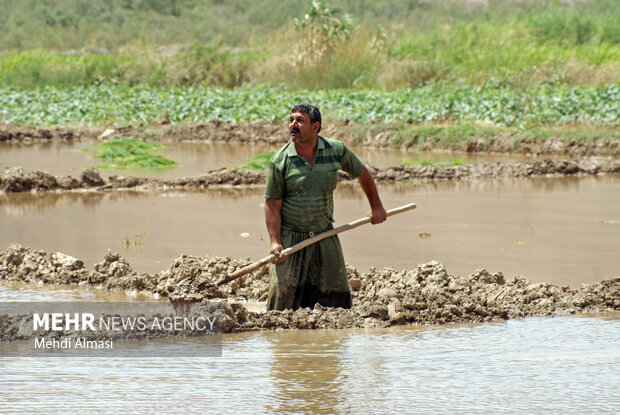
x=138, y=238
x=128, y=153
x=257, y=162
x=196, y=65
x=440, y=70
x=495, y=106
x=310, y=45
x=450, y=136
x=457, y=162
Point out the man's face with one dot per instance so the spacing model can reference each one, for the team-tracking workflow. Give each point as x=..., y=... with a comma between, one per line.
x=301, y=129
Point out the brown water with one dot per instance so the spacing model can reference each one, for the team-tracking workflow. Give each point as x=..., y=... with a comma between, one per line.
x=196, y=158
x=32, y=292
x=560, y=230
x=566, y=365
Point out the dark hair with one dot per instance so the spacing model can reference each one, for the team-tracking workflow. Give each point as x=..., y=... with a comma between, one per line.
x=311, y=110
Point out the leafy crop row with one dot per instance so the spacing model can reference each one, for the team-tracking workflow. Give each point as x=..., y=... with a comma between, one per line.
x=433, y=103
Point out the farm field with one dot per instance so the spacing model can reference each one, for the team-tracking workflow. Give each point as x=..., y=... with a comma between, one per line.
x=134, y=142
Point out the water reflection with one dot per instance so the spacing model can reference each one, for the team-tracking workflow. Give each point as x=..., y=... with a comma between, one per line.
x=30, y=292
x=18, y=204
x=306, y=370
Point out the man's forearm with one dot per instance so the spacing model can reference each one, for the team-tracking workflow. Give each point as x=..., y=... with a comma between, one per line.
x=377, y=212
x=369, y=188
x=273, y=219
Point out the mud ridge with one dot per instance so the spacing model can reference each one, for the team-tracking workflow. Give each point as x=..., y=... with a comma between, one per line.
x=23, y=134
x=16, y=180
x=351, y=133
x=427, y=294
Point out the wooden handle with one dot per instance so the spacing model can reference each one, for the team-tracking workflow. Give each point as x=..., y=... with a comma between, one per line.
x=307, y=242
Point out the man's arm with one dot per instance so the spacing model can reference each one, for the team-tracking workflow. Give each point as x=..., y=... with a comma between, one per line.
x=377, y=212
x=273, y=219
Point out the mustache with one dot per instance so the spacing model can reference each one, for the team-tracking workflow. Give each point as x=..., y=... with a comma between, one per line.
x=294, y=130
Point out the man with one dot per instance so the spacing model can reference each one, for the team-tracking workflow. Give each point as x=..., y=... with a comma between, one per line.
x=301, y=179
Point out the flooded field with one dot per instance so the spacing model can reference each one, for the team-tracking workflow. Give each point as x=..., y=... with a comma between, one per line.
x=560, y=230
x=538, y=365
x=563, y=230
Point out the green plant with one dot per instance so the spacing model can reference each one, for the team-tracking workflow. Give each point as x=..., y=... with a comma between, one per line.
x=457, y=162
x=458, y=108
x=130, y=153
x=257, y=162
x=137, y=240
x=323, y=28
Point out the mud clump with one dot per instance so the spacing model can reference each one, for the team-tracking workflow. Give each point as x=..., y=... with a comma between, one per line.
x=381, y=298
x=91, y=178
x=15, y=180
x=23, y=264
x=114, y=272
x=189, y=278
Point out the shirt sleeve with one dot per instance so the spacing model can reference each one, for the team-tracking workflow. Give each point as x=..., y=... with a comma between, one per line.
x=350, y=163
x=274, y=183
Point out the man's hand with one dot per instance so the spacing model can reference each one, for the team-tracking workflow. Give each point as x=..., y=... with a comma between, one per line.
x=377, y=215
x=276, y=249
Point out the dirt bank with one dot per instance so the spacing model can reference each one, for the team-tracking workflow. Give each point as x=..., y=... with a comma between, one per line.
x=16, y=133
x=17, y=180
x=427, y=294
x=379, y=135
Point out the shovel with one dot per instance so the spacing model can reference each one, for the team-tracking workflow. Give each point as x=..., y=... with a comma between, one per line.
x=307, y=242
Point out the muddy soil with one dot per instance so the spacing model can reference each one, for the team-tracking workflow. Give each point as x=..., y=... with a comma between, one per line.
x=275, y=134
x=427, y=294
x=16, y=180
x=16, y=133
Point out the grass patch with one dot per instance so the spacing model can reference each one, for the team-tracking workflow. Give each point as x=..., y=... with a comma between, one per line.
x=130, y=153
x=387, y=45
x=257, y=162
x=197, y=65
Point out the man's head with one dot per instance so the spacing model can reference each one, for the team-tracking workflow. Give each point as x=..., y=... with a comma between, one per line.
x=304, y=122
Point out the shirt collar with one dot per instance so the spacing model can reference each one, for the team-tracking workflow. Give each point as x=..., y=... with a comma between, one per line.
x=292, y=151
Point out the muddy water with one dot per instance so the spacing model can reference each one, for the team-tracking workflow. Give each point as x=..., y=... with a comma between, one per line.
x=562, y=230
x=25, y=292
x=197, y=158
x=540, y=365
x=70, y=158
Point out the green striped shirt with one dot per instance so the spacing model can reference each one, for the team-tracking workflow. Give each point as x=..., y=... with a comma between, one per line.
x=307, y=190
